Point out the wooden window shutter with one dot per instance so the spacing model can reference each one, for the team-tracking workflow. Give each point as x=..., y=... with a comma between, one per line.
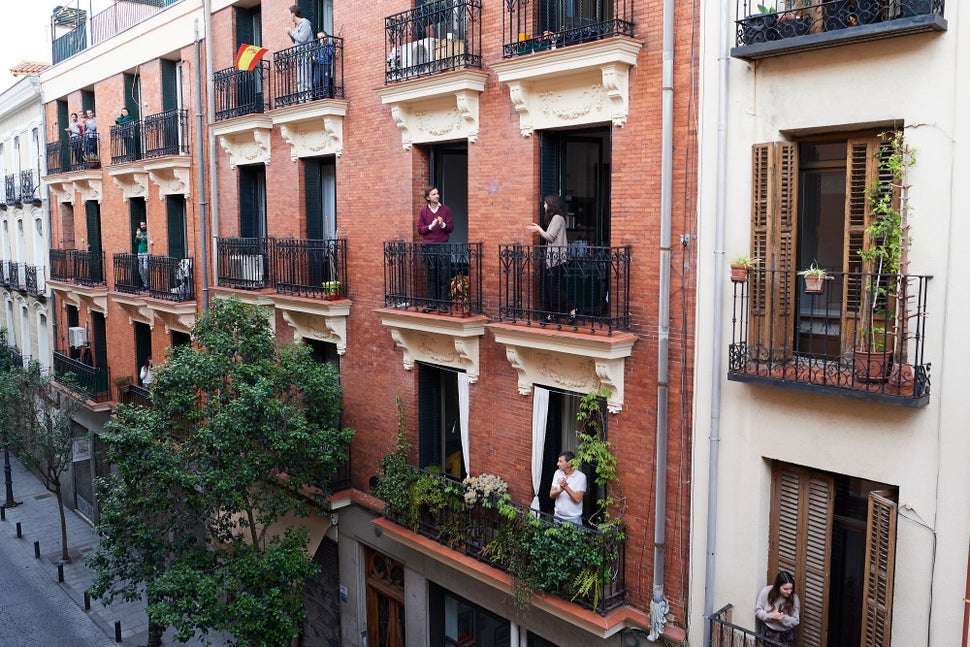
x=774, y=236
x=877, y=595
x=800, y=542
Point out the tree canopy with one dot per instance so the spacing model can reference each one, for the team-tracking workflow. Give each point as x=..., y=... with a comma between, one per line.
x=242, y=432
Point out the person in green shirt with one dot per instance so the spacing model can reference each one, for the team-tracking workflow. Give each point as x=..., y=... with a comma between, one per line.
x=141, y=238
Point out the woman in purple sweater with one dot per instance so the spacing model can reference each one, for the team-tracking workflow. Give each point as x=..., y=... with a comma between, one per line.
x=434, y=225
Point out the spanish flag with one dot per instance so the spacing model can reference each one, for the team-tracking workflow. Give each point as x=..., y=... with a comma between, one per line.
x=248, y=57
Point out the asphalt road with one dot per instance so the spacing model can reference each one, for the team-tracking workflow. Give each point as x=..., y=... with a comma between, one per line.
x=34, y=611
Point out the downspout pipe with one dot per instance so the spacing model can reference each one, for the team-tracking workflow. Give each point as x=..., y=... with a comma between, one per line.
x=211, y=111
x=659, y=607
x=203, y=236
x=717, y=347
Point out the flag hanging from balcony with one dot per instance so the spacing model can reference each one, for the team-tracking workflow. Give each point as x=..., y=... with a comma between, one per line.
x=248, y=57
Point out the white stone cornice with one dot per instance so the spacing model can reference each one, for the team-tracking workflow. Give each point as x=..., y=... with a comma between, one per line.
x=175, y=315
x=94, y=297
x=571, y=86
x=61, y=187
x=313, y=129
x=315, y=319
x=171, y=174
x=437, y=108
x=437, y=339
x=135, y=307
x=574, y=361
x=245, y=139
x=132, y=179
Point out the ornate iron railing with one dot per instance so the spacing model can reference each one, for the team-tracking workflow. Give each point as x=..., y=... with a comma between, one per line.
x=309, y=268
x=538, y=25
x=127, y=278
x=580, y=287
x=476, y=531
x=861, y=335
x=126, y=142
x=433, y=277
x=726, y=634
x=10, y=186
x=88, y=267
x=171, y=279
x=58, y=157
x=308, y=72
x=91, y=381
x=241, y=263
x=14, y=276
x=34, y=281
x=239, y=93
x=84, y=153
x=30, y=186
x=166, y=133
x=772, y=20
x=62, y=264
x=4, y=276
x=122, y=15
x=134, y=394
x=437, y=36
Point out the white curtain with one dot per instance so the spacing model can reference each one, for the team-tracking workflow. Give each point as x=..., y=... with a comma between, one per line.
x=463, y=419
x=540, y=412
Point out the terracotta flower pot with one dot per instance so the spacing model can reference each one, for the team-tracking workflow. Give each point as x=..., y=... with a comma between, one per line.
x=739, y=273
x=813, y=284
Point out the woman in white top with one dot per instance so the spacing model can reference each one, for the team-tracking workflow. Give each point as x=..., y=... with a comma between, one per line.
x=147, y=375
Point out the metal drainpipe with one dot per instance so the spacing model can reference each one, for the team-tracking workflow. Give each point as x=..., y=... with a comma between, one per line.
x=659, y=605
x=211, y=109
x=203, y=237
x=717, y=347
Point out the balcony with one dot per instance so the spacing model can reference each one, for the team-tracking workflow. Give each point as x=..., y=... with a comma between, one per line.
x=790, y=26
x=62, y=265
x=592, y=281
x=126, y=142
x=309, y=72
x=241, y=263
x=550, y=24
x=171, y=279
x=88, y=267
x=239, y=93
x=438, y=510
x=438, y=36
x=726, y=634
x=34, y=282
x=90, y=381
x=309, y=268
x=134, y=394
x=166, y=133
x=104, y=25
x=73, y=154
x=862, y=336
x=58, y=157
x=127, y=278
x=445, y=278
x=14, y=275
x=10, y=186
x=30, y=187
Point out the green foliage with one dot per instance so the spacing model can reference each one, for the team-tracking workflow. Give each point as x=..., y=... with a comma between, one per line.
x=594, y=449
x=241, y=433
x=885, y=231
x=395, y=476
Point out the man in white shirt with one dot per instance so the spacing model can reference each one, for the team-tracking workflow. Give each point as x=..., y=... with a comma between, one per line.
x=568, y=488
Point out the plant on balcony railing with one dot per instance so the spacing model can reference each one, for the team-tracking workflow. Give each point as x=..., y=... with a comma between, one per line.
x=537, y=26
x=437, y=36
x=309, y=72
x=240, y=92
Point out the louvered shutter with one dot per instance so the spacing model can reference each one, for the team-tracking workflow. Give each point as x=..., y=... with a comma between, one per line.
x=429, y=416
x=877, y=595
x=774, y=235
x=800, y=543
x=175, y=208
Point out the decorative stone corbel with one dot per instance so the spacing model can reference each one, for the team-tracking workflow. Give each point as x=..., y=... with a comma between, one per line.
x=171, y=174
x=246, y=139
x=88, y=187
x=132, y=182
x=313, y=129
x=445, y=341
x=323, y=321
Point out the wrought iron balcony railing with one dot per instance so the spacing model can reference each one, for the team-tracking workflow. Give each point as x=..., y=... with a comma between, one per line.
x=125, y=271
x=581, y=287
x=10, y=186
x=30, y=186
x=62, y=265
x=15, y=277
x=118, y=17
x=309, y=268
x=476, y=530
x=308, y=72
x=442, y=277
x=774, y=20
x=726, y=634
x=238, y=93
x=538, y=25
x=34, y=282
x=4, y=276
x=241, y=263
x=83, y=153
x=861, y=335
x=58, y=157
x=91, y=381
x=171, y=279
x=73, y=42
x=126, y=142
x=166, y=133
x=17, y=358
x=134, y=394
x=87, y=267
x=438, y=36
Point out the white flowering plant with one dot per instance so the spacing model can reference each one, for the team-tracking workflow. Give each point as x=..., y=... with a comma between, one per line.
x=486, y=489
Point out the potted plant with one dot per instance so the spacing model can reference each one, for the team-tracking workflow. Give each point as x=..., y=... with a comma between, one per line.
x=331, y=290
x=872, y=359
x=814, y=276
x=740, y=266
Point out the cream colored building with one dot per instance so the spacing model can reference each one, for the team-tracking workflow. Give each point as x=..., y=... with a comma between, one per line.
x=853, y=478
x=24, y=222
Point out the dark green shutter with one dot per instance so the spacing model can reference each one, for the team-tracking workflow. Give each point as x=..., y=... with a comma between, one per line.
x=92, y=211
x=252, y=179
x=308, y=9
x=429, y=416
x=169, y=86
x=132, y=92
x=550, y=145
x=62, y=119
x=136, y=214
x=99, y=333
x=248, y=27
x=175, y=205
x=313, y=191
x=87, y=100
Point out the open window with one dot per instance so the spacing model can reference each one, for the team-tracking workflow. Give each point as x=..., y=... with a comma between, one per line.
x=443, y=420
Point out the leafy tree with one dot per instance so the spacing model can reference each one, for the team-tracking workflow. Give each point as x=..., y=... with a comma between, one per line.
x=43, y=427
x=242, y=432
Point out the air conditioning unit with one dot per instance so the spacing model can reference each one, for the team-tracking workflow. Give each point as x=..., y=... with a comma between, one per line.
x=77, y=336
x=246, y=267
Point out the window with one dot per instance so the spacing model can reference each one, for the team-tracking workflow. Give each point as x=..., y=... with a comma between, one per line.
x=320, y=179
x=443, y=417
x=554, y=432
x=92, y=212
x=576, y=165
x=836, y=534
x=252, y=201
x=456, y=622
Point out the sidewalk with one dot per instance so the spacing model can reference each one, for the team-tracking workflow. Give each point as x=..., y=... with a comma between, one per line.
x=40, y=522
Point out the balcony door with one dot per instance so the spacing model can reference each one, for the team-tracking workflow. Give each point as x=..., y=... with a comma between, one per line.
x=92, y=210
x=555, y=411
x=576, y=164
x=440, y=420
x=177, y=234
x=449, y=172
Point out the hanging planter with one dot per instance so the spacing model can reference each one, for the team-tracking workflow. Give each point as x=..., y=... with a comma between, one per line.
x=814, y=276
x=740, y=266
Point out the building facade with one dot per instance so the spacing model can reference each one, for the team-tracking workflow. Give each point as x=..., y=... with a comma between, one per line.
x=835, y=416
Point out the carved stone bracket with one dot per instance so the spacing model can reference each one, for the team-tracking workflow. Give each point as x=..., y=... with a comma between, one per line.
x=171, y=174
x=88, y=185
x=436, y=339
x=438, y=108
x=175, y=315
x=320, y=320
x=134, y=306
x=578, y=362
x=313, y=129
x=131, y=179
x=95, y=298
x=61, y=187
x=571, y=86
x=245, y=139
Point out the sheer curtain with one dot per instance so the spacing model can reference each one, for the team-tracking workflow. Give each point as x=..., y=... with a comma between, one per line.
x=540, y=412
x=463, y=419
